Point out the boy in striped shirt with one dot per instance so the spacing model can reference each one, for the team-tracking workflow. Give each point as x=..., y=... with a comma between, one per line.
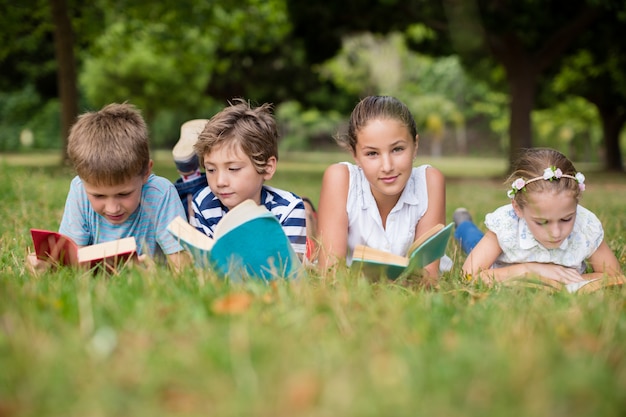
x=239, y=150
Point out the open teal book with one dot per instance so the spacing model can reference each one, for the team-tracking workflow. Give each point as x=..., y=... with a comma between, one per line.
x=248, y=241
x=428, y=248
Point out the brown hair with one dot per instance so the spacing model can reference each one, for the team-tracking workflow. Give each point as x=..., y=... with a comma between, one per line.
x=109, y=146
x=371, y=108
x=531, y=164
x=252, y=129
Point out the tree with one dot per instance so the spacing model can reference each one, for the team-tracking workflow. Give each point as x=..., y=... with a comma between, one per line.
x=38, y=48
x=597, y=74
x=66, y=68
x=525, y=38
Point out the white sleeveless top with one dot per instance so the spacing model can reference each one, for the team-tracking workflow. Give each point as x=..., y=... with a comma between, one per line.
x=519, y=245
x=365, y=225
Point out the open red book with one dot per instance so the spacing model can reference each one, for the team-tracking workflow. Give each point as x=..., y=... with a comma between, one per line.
x=62, y=250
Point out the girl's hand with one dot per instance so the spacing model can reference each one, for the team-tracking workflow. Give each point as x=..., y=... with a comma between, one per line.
x=555, y=272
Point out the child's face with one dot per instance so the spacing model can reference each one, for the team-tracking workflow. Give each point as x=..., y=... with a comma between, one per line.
x=116, y=202
x=385, y=151
x=232, y=176
x=550, y=216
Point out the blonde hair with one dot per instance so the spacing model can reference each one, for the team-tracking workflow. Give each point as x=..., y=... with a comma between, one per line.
x=530, y=166
x=110, y=146
x=252, y=129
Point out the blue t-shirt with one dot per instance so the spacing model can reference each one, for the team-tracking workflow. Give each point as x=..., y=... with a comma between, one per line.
x=286, y=206
x=159, y=205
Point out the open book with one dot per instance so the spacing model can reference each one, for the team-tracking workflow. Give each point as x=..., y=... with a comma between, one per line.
x=248, y=241
x=426, y=249
x=62, y=250
x=582, y=287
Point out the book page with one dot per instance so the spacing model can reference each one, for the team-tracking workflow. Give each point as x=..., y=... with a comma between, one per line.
x=589, y=286
x=365, y=254
x=120, y=247
x=185, y=232
x=238, y=215
x=575, y=286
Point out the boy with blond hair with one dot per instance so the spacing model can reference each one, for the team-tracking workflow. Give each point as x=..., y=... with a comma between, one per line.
x=239, y=150
x=115, y=194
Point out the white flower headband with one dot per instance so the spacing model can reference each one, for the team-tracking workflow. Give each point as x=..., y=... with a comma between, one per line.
x=549, y=174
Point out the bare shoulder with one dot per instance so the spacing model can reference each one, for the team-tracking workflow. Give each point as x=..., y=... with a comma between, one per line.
x=337, y=172
x=436, y=184
x=434, y=176
x=335, y=182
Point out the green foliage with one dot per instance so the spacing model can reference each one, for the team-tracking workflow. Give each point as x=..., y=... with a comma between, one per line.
x=24, y=111
x=168, y=63
x=143, y=64
x=573, y=125
x=438, y=91
x=305, y=128
x=151, y=343
x=26, y=53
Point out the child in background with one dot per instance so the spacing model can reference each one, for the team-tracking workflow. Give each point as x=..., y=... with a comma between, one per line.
x=382, y=201
x=115, y=195
x=239, y=150
x=544, y=231
x=191, y=178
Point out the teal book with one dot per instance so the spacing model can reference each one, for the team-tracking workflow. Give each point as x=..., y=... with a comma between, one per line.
x=428, y=248
x=248, y=242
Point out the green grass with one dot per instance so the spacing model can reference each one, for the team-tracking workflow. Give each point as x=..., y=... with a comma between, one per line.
x=149, y=343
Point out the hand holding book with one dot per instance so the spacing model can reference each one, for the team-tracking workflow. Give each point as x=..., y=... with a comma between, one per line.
x=53, y=248
x=425, y=250
x=248, y=242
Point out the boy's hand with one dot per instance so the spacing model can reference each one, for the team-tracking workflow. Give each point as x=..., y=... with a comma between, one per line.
x=58, y=251
x=145, y=261
x=35, y=265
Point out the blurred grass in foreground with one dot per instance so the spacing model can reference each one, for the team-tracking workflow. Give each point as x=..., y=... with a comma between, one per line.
x=153, y=344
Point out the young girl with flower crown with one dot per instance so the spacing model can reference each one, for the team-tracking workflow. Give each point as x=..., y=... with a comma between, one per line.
x=544, y=231
x=382, y=201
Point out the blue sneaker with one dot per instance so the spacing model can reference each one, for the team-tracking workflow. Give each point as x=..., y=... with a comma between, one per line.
x=461, y=215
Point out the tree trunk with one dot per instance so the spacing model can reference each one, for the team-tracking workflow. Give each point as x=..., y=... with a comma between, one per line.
x=66, y=71
x=613, y=120
x=522, y=85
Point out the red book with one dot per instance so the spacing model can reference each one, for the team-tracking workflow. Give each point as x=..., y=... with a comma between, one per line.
x=62, y=250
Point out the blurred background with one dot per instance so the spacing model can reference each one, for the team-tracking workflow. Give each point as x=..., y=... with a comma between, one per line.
x=484, y=77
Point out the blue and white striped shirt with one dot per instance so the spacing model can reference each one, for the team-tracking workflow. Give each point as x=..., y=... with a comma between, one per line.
x=286, y=206
x=159, y=205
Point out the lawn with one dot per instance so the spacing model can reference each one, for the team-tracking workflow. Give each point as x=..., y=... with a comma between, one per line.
x=150, y=343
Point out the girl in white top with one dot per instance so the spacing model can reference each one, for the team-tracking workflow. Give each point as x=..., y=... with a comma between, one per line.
x=544, y=231
x=382, y=201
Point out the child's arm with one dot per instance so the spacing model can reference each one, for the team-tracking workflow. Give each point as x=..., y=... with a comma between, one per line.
x=179, y=260
x=483, y=255
x=436, y=212
x=481, y=258
x=603, y=261
x=332, y=216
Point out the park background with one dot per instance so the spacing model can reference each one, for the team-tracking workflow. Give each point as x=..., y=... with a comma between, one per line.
x=483, y=78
